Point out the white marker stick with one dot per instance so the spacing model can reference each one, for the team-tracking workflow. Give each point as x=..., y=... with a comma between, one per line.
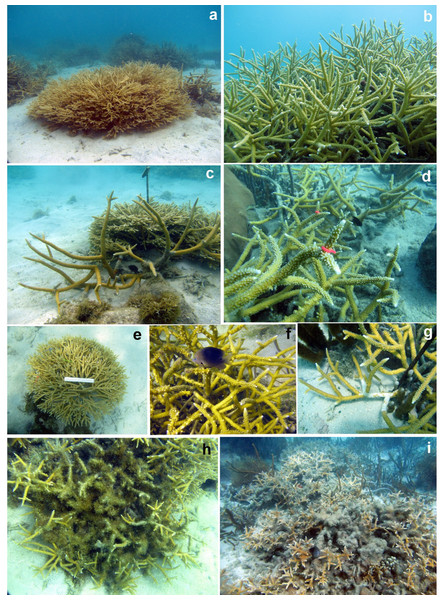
x=79, y=380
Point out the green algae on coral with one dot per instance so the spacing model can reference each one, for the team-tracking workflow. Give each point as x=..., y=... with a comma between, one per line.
x=105, y=512
x=368, y=97
x=57, y=362
x=254, y=393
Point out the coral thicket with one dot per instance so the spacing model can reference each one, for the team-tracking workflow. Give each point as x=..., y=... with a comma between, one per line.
x=24, y=79
x=335, y=522
x=111, y=100
x=75, y=403
x=365, y=97
x=254, y=393
x=106, y=511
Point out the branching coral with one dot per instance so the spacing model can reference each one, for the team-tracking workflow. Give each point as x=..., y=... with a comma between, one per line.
x=55, y=376
x=369, y=97
x=108, y=511
x=141, y=227
x=305, y=259
x=316, y=524
x=24, y=80
x=254, y=393
x=111, y=100
x=389, y=349
x=204, y=240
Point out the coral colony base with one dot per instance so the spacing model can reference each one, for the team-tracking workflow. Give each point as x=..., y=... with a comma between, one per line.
x=306, y=258
x=340, y=523
x=247, y=392
x=106, y=511
x=369, y=97
x=393, y=363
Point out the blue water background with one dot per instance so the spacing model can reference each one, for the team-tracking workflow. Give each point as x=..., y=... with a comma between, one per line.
x=52, y=189
x=418, y=454
x=32, y=28
x=262, y=28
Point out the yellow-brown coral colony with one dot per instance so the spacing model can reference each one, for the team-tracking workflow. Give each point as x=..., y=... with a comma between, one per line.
x=253, y=393
x=107, y=511
x=111, y=100
x=75, y=379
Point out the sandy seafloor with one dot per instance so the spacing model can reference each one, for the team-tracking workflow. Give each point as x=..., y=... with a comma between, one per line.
x=195, y=140
x=128, y=417
x=320, y=415
x=60, y=202
x=199, y=579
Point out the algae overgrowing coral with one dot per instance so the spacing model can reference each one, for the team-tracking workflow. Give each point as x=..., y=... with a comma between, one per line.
x=309, y=254
x=254, y=393
x=111, y=100
x=355, y=518
x=106, y=512
x=75, y=379
x=368, y=97
x=391, y=365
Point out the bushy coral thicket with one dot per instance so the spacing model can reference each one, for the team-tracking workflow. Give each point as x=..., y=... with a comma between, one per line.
x=317, y=526
x=111, y=100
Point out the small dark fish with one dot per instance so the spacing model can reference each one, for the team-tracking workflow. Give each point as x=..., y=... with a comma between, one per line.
x=133, y=268
x=315, y=552
x=357, y=221
x=211, y=357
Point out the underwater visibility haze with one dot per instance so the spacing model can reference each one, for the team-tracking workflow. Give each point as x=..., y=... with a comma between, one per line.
x=343, y=516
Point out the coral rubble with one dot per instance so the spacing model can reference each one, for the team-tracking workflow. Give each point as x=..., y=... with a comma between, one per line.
x=106, y=512
x=111, y=100
x=368, y=97
x=254, y=393
x=74, y=357
x=349, y=521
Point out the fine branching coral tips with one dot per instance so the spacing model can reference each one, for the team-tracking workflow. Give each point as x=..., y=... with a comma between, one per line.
x=75, y=379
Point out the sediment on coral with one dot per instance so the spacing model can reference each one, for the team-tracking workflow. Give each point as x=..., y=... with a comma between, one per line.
x=395, y=364
x=368, y=97
x=353, y=519
x=105, y=512
x=111, y=100
x=304, y=257
x=254, y=392
x=75, y=402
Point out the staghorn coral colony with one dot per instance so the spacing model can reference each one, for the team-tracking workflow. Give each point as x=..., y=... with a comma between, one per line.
x=365, y=97
x=75, y=379
x=129, y=247
x=308, y=251
x=357, y=517
x=250, y=388
x=110, y=100
x=107, y=512
x=388, y=364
